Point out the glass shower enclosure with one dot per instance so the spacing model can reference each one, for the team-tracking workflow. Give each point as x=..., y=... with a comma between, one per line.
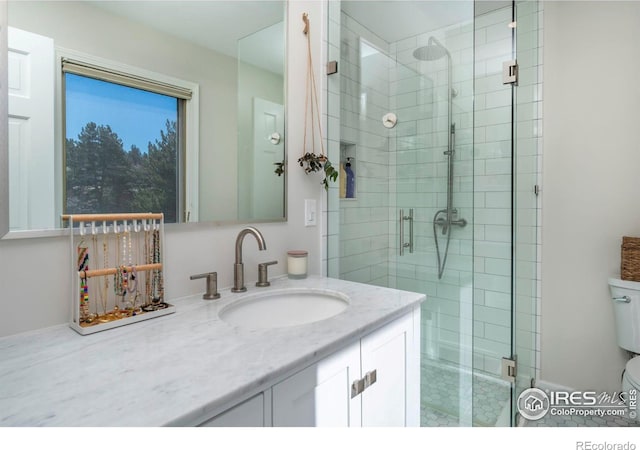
x=441, y=155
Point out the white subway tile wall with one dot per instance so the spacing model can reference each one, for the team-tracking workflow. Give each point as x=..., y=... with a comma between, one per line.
x=363, y=232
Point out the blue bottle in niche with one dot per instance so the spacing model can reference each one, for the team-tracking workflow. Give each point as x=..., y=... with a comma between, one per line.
x=351, y=179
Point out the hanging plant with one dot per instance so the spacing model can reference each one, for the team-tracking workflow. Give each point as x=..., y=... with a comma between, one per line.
x=314, y=163
x=311, y=161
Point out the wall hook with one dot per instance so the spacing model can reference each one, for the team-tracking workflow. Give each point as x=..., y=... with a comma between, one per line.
x=305, y=19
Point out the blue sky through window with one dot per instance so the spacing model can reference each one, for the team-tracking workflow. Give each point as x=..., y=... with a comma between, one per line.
x=136, y=116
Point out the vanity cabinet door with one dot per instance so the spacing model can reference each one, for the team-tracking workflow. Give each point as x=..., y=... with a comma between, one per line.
x=320, y=396
x=388, y=357
x=249, y=413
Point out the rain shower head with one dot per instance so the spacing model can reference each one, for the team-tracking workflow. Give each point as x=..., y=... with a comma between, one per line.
x=433, y=51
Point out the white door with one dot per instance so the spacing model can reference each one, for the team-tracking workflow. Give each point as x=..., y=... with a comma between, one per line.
x=384, y=353
x=268, y=148
x=320, y=395
x=31, y=131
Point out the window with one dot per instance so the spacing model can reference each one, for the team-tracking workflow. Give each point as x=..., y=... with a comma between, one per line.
x=124, y=145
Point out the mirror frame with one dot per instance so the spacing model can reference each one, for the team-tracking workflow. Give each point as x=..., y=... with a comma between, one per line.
x=6, y=234
x=4, y=125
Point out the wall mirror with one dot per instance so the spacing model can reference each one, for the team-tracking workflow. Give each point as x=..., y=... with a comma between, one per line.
x=125, y=106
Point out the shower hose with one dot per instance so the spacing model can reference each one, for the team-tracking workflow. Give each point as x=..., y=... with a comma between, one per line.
x=441, y=261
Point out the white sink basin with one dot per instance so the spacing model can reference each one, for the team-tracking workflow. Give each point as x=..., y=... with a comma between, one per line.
x=284, y=308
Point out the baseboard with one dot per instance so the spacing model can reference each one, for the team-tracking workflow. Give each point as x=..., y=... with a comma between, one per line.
x=553, y=387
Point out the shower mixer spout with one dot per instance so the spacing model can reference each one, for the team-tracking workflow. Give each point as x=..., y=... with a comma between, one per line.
x=448, y=221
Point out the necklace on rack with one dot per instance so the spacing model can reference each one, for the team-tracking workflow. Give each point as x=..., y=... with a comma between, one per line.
x=118, y=279
x=147, y=260
x=156, y=289
x=91, y=317
x=157, y=274
x=104, y=289
x=134, y=280
x=83, y=266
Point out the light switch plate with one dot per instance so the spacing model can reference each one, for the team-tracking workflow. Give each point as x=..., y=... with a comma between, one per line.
x=310, y=213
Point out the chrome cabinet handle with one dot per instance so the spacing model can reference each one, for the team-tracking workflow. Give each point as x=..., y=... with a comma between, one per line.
x=358, y=386
x=370, y=378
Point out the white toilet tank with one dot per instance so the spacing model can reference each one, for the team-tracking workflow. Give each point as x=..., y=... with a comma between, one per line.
x=626, y=307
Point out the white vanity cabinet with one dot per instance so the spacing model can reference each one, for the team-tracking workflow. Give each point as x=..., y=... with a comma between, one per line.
x=373, y=382
x=320, y=395
x=250, y=413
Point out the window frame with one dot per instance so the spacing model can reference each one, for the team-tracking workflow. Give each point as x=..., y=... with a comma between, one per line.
x=188, y=129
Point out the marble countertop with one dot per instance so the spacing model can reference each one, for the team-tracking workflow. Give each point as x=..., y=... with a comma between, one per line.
x=179, y=369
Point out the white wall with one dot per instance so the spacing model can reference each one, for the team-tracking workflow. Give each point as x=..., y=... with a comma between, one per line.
x=591, y=182
x=34, y=272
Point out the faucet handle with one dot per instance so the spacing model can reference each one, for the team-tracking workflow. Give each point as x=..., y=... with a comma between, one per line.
x=262, y=274
x=212, y=284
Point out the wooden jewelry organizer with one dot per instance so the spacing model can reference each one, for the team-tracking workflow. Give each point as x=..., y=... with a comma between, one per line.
x=129, y=285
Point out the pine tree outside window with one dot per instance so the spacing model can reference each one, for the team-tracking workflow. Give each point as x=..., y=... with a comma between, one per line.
x=123, y=146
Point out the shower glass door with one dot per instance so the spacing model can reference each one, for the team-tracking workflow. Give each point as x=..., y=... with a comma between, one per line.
x=527, y=137
x=424, y=130
x=493, y=213
x=431, y=163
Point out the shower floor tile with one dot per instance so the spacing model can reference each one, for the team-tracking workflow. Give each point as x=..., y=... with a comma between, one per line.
x=434, y=418
x=485, y=400
x=443, y=385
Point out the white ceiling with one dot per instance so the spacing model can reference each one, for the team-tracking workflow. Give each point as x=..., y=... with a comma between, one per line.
x=217, y=25
x=221, y=24
x=394, y=20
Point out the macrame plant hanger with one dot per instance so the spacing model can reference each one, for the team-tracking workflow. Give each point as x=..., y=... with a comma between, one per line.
x=310, y=159
x=311, y=99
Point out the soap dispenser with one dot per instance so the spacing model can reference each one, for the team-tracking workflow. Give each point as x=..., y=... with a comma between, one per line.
x=342, y=178
x=351, y=179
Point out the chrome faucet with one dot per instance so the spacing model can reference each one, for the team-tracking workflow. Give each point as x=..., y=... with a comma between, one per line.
x=238, y=267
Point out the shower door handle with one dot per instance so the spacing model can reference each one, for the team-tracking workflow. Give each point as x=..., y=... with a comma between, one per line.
x=404, y=244
x=411, y=230
x=401, y=232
